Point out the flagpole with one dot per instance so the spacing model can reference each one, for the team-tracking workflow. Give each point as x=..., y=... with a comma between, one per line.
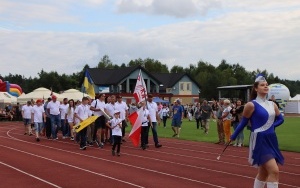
x=146, y=97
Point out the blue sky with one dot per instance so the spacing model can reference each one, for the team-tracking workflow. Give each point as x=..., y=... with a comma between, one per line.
x=64, y=35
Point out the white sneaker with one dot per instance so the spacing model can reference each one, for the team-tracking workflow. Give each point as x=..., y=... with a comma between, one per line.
x=235, y=144
x=239, y=145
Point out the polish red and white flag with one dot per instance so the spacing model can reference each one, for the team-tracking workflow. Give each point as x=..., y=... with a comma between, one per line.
x=140, y=90
x=136, y=120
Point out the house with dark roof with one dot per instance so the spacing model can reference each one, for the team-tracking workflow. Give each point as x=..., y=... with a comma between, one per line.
x=122, y=81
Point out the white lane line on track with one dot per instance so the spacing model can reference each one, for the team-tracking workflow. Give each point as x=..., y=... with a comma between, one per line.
x=192, y=166
x=119, y=163
x=196, y=151
x=19, y=170
x=69, y=165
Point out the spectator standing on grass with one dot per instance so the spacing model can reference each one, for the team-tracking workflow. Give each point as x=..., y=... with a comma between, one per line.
x=153, y=113
x=164, y=114
x=237, y=112
x=178, y=114
x=220, y=128
x=206, y=112
x=53, y=110
x=264, y=151
x=226, y=117
x=37, y=117
x=115, y=125
x=26, y=114
x=197, y=115
x=81, y=113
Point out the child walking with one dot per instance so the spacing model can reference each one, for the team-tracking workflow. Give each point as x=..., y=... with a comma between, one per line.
x=116, y=127
x=37, y=117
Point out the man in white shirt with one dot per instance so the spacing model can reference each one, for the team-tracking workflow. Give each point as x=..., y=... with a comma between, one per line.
x=37, y=117
x=123, y=108
x=81, y=113
x=153, y=113
x=145, y=126
x=26, y=114
x=53, y=109
x=63, y=108
x=110, y=108
x=98, y=106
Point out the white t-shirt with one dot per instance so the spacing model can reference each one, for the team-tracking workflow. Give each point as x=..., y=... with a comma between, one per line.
x=100, y=105
x=229, y=116
x=145, y=118
x=37, y=112
x=27, y=111
x=164, y=112
x=63, y=110
x=70, y=115
x=110, y=109
x=152, y=107
x=117, y=131
x=54, y=107
x=122, y=107
x=82, y=111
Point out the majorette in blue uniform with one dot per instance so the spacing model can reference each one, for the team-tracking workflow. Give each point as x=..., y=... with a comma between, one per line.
x=263, y=144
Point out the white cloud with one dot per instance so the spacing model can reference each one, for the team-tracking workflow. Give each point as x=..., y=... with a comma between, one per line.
x=263, y=39
x=176, y=8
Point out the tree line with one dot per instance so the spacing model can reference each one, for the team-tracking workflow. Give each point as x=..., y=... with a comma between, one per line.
x=209, y=77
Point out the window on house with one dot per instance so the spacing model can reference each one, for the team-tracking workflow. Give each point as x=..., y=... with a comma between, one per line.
x=188, y=86
x=182, y=86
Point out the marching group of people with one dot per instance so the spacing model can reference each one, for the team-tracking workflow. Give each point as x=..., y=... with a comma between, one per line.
x=112, y=116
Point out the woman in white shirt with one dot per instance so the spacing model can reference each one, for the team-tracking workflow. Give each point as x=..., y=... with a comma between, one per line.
x=70, y=117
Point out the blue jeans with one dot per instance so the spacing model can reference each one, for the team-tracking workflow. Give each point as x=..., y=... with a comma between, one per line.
x=154, y=132
x=38, y=127
x=55, y=124
x=65, y=127
x=240, y=137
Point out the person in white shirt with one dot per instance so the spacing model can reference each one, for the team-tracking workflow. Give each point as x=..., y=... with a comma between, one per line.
x=226, y=117
x=115, y=125
x=145, y=127
x=81, y=113
x=37, y=117
x=63, y=108
x=53, y=109
x=153, y=112
x=70, y=117
x=123, y=108
x=26, y=114
x=98, y=106
x=110, y=108
x=164, y=114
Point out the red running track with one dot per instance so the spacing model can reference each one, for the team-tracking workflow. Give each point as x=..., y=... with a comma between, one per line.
x=59, y=163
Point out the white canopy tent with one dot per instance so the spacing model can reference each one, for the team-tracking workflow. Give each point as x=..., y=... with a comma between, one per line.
x=7, y=98
x=74, y=94
x=293, y=105
x=39, y=93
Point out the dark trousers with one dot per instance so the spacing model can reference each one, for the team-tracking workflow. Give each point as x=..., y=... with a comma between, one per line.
x=48, y=127
x=199, y=122
x=124, y=125
x=144, y=135
x=165, y=120
x=82, y=136
x=117, y=142
x=154, y=132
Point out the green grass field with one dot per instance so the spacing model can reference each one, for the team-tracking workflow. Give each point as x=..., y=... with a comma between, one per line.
x=288, y=133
